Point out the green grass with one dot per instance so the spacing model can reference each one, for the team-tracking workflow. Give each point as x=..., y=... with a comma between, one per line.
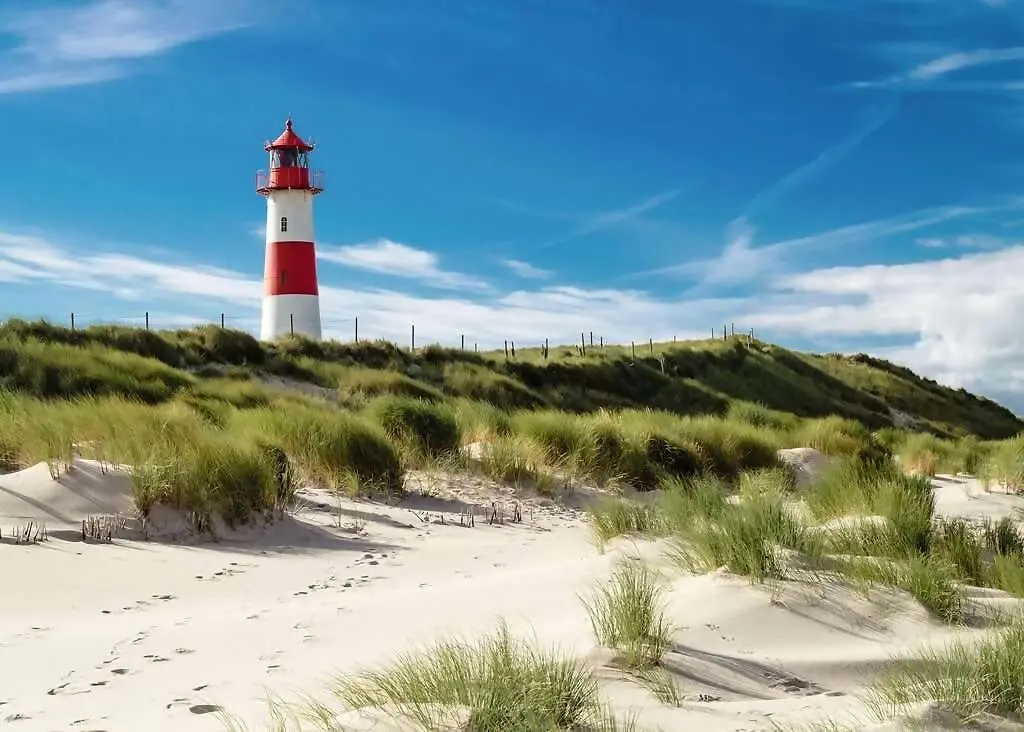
x=428, y=428
x=969, y=680
x=372, y=411
x=627, y=614
x=497, y=684
x=763, y=385
x=881, y=530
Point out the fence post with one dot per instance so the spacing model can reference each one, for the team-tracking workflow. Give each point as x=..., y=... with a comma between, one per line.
x=583, y=343
x=651, y=341
x=591, y=339
x=602, y=341
x=147, y=320
x=545, y=349
x=632, y=348
x=72, y=321
x=513, y=349
x=291, y=323
x=732, y=329
x=463, y=341
x=475, y=349
x=357, y=329
x=506, y=348
x=413, y=341
x=222, y=321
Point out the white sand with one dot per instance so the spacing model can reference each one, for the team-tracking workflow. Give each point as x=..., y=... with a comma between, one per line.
x=139, y=635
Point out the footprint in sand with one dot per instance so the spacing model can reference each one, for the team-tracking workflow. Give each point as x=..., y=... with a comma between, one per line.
x=204, y=708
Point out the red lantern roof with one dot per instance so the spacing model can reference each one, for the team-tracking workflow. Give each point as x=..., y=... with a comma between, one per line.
x=289, y=140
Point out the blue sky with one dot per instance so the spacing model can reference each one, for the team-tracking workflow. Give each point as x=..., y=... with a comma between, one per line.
x=837, y=174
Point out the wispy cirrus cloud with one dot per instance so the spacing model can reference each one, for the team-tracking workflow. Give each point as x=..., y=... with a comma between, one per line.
x=939, y=67
x=525, y=269
x=608, y=219
x=967, y=241
x=741, y=261
x=387, y=257
x=88, y=43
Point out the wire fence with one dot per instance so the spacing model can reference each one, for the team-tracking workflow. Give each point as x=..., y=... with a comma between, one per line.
x=588, y=342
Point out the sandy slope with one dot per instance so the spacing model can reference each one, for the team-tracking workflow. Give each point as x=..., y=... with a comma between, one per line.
x=148, y=635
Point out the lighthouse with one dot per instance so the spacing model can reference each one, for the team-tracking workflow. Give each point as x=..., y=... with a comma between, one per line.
x=291, y=296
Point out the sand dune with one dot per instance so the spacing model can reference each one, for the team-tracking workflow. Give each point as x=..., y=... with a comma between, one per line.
x=158, y=636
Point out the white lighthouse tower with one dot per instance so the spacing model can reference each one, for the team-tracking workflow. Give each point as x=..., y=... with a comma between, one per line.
x=291, y=295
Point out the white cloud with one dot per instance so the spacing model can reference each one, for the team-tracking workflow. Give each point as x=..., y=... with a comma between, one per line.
x=79, y=44
x=526, y=270
x=959, y=313
x=399, y=260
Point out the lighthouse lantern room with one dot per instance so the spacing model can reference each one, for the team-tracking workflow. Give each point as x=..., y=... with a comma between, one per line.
x=291, y=295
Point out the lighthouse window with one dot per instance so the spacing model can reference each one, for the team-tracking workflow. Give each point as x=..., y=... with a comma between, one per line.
x=284, y=223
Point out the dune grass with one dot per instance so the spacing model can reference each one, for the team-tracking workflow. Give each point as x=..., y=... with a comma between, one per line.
x=627, y=614
x=496, y=684
x=866, y=522
x=983, y=677
x=153, y=399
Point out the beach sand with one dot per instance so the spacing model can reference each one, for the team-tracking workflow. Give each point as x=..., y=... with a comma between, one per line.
x=158, y=636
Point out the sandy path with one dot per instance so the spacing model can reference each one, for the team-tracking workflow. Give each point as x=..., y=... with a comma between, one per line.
x=143, y=635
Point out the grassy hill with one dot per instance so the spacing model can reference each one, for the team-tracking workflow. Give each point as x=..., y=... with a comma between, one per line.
x=688, y=378
x=213, y=421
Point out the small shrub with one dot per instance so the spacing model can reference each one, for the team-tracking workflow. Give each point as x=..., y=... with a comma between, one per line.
x=430, y=427
x=328, y=446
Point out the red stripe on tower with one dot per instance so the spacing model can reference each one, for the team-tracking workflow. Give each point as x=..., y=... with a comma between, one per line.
x=290, y=269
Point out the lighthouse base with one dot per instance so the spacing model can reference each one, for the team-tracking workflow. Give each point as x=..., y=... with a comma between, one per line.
x=290, y=314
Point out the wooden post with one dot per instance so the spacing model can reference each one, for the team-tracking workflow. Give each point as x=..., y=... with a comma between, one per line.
x=732, y=329
x=602, y=341
x=72, y=321
x=222, y=321
x=147, y=320
x=463, y=341
x=506, y=348
x=591, y=339
x=513, y=349
x=413, y=339
x=291, y=323
x=651, y=341
x=475, y=349
x=583, y=343
x=545, y=349
x=357, y=329
x=632, y=348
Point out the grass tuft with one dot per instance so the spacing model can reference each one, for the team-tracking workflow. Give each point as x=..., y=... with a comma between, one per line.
x=497, y=684
x=627, y=614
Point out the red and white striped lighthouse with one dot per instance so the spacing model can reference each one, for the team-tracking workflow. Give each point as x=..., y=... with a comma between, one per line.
x=291, y=296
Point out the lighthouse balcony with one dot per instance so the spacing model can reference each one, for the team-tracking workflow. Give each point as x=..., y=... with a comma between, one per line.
x=291, y=178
